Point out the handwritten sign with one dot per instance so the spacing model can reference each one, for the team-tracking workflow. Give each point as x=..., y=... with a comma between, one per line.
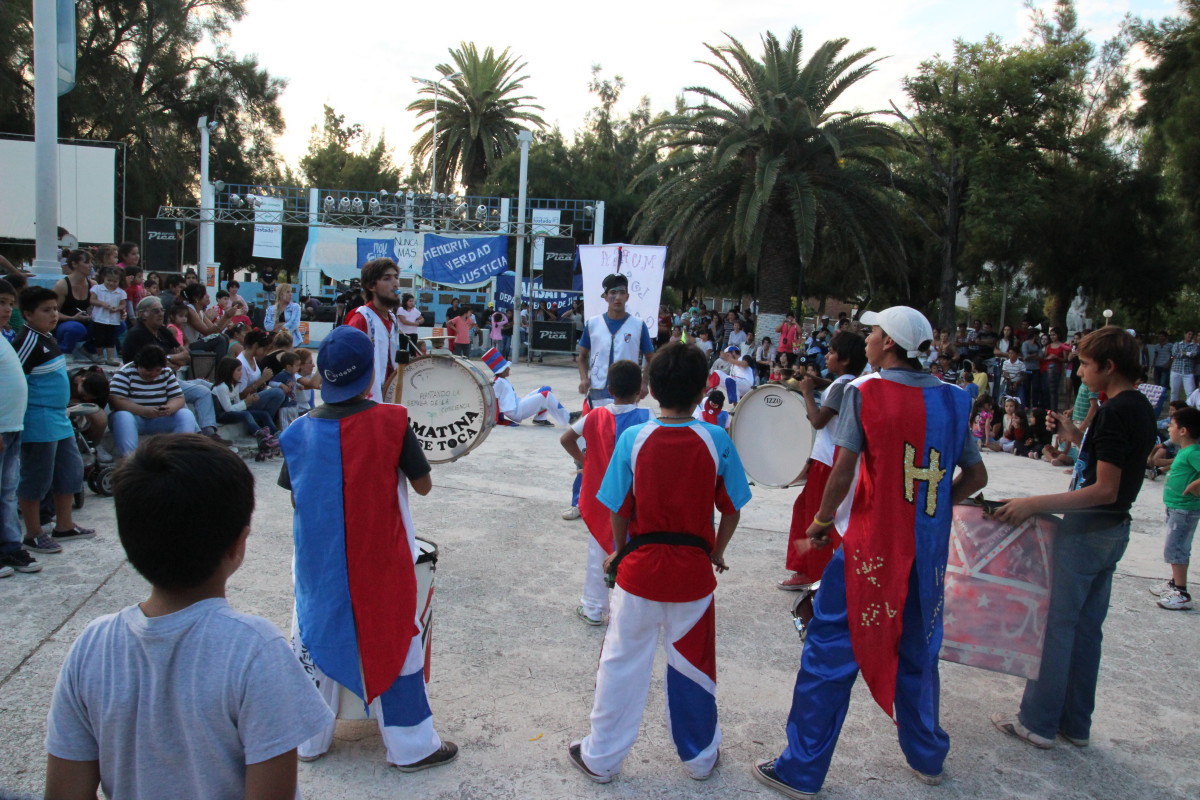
x=644, y=265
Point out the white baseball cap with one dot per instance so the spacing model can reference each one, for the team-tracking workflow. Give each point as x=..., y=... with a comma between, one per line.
x=906, y=326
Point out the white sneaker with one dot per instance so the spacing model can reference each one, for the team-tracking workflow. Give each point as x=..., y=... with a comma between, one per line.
x=571, y=513
x=1166, y=587
x=6, y=571
x=1176, y=600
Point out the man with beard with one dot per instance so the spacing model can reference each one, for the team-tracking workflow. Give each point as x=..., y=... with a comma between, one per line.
x=377, y=319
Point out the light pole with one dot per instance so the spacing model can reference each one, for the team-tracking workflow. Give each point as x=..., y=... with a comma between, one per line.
x=524, y=139
x=437, y=89
x=205, y=244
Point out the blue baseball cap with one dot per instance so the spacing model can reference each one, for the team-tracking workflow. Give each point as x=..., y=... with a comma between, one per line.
x=347, y=361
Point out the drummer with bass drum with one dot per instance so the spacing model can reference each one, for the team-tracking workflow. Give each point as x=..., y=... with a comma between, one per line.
x=377, y=319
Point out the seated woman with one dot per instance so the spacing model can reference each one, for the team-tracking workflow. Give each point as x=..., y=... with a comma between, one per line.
x=285, y=313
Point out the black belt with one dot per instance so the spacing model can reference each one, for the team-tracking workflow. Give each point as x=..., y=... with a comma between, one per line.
x=654, y=537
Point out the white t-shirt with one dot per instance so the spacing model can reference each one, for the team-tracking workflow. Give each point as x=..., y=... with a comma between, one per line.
x=250, y=372
x=178, y=705
x=115, y=298
x=506, y=396
x=408, y=319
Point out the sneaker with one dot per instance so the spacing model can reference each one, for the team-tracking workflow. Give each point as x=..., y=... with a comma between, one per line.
x=545, y=423
x=443, y=755
x=21, y=561
x=764, y=773
x=44, y=543
x=575, y=753
x=574, y=416
x=309, y=759
x=571, y=513
x=219, y=439
x=6, y=571
x=927, y=779
x=1166, y=587
x=796, y=583
x=113, y=362
x=1075, y=740
x=579, y=612
x=1013, y=727
x=707, y=775
x=74, y=535
x=1177, y=600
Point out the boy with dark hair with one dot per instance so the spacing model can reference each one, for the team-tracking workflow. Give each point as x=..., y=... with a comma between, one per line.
x=1181, y=496
x=377, y=318
x=663, y=481
x=901, y=433
x=601, y=429
x=1089, y=542
x=50, y=459
x=128, y=714
x=13, y=401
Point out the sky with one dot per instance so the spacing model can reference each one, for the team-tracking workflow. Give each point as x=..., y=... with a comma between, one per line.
x=359, y=56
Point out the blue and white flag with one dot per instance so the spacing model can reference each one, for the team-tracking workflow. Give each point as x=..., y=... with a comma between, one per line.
x=464, y=261
x=371, y=249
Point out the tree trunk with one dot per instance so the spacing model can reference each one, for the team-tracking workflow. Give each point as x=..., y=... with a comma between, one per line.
x=779, y=267
x=948, y=280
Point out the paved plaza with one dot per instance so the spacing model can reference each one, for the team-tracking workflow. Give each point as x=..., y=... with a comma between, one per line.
x=513, y=669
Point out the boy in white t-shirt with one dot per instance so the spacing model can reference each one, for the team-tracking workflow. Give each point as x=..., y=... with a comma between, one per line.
x=108, y=312
x=180, y=695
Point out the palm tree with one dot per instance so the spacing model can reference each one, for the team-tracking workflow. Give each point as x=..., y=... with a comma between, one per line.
x=770, y=183
x=478, y=115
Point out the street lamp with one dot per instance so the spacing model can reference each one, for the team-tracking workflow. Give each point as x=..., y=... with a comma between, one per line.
x=437, y=88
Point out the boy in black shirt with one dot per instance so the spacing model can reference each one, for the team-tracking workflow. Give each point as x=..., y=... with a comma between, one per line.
x=1089, y=543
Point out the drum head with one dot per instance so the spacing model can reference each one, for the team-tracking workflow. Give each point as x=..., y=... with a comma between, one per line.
x=450, y=402
x=772, y=434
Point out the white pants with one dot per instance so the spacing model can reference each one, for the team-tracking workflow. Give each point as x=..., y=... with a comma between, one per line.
x=595, y=594
x=623, y=682
x=405, y=743
x=1185, y=379
x=538, y=404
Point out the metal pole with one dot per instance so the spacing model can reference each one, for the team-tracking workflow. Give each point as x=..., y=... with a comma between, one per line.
x=45, y=93
x=205, y=243
x=524, y=138
x=598, y=225
x=437, y=86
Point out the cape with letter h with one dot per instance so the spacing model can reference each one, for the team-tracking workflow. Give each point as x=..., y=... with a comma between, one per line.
x=901, y=515
x=356, y=586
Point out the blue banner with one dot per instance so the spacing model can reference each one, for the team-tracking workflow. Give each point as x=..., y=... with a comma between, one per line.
x=464, y=261
x=506, y=283
x=371, y=249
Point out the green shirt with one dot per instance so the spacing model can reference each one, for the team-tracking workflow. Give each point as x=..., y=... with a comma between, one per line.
x=1184, y=469
x=1083, y=399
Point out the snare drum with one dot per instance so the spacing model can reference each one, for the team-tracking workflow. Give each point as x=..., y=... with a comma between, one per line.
x=450, y=402
x=773, y=436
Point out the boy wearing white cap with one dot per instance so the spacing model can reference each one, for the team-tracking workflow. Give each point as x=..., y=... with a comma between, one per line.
x=901, y=432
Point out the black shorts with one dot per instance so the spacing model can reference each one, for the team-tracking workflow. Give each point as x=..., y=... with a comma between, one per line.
x=104, y=335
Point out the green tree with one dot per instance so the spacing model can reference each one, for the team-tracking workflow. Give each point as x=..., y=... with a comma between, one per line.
x=146, y=73
x=342, y=156
x=772, y=184
x=1171, y=110
x=479, y=114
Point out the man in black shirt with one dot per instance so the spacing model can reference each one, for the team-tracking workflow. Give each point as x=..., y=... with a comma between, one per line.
x=1088, y=544
x=151, y=330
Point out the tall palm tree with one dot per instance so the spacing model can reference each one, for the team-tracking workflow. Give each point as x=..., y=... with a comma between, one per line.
x=770, y=182
x=479, y=114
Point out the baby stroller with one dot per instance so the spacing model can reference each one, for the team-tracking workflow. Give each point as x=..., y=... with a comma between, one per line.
x=96, y=473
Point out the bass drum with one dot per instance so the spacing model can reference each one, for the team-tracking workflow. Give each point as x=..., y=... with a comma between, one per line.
x=773, y=436
x=450, y=401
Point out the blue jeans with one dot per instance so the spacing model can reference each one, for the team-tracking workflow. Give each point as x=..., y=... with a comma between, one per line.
x=127, y=427
x=253, y=420
x=198, y=395
x=269, y=400
x=1064, y=694
x=10, y=476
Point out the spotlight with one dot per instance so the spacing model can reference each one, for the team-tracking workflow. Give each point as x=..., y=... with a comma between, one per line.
x=344, y=205
x=460, y=211
x=383, y=194
x=589, y=210
x=357, y=205
x=373, y=206
x=441, y=198
x=410, y=196
x=235, y=201
x=219, y=185
x=330, y=203
x=481, y=212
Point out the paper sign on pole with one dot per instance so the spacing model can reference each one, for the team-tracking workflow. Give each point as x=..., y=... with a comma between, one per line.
x=644, y=265
x=268, y=233
x=545, y=223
